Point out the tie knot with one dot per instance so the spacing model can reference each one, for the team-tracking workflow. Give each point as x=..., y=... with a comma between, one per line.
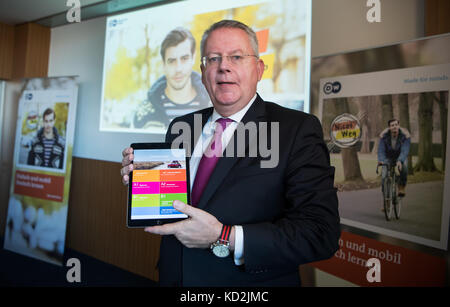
x=223, y=122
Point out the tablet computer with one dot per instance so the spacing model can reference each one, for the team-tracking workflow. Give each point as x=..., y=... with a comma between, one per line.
x=160, y=175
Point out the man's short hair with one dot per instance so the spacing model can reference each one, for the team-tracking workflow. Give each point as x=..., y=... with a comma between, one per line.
x=393, y=120
x=231, y=24
x=49, y=111
x=175, y=37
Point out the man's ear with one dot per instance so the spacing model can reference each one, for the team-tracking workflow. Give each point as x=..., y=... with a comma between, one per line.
x=202, y=68
x=260, y=68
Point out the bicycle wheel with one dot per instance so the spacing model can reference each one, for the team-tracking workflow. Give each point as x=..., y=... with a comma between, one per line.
x=387, y=193
x=398, y=207
x=397, y=201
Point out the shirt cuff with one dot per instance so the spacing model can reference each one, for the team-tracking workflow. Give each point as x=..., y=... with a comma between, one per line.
x=238, y=245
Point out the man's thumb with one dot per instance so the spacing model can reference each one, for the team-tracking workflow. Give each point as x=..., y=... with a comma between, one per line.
x=182, y=207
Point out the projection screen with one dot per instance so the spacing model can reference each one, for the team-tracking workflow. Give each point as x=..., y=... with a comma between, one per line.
x=142, y=92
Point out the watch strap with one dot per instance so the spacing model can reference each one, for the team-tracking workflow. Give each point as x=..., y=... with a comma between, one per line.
x=225, y=234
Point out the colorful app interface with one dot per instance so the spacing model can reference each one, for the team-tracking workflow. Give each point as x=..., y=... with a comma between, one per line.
x=159, y=178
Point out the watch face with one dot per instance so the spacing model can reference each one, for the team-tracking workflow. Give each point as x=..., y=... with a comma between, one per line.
x=221, y=251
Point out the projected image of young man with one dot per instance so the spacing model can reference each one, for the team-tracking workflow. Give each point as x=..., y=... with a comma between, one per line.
x=47, y=147
x=180, y=90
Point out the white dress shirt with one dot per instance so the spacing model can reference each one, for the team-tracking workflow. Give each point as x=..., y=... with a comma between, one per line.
x=200, y=147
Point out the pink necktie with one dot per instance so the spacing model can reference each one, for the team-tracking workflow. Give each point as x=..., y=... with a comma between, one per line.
x=209, y=160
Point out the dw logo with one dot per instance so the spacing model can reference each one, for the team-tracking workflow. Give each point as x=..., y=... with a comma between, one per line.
x=334, y=87
x=29, y=96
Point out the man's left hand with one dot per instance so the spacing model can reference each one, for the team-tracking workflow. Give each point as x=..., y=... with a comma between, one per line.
x=399, y=166
x=198, y=231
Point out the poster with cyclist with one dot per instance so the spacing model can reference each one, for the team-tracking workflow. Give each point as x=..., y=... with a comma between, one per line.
x=387, y=133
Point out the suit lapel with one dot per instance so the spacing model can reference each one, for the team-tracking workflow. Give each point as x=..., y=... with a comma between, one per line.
x=255, y=113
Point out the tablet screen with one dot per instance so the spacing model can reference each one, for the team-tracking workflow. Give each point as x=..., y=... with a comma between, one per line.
x=159, y=177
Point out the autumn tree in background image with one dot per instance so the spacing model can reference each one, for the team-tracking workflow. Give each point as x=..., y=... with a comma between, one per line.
x=423, y=115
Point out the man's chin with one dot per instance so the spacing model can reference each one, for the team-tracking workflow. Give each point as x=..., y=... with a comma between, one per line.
x=178, y=86
x=232, y=104
x=228, y=98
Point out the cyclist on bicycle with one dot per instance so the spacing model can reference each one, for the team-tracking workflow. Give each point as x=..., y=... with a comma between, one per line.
x=394, y=149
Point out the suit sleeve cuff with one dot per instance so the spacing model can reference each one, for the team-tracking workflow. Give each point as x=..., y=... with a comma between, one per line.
x=238, y=245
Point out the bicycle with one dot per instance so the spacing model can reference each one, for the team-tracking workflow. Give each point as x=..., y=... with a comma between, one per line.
x=391, y=201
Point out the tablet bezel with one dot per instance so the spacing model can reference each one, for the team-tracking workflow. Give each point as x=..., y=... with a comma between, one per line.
x=132, y=223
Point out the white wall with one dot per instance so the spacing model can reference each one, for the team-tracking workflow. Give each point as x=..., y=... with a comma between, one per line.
x=341, y=25
x=337, y=26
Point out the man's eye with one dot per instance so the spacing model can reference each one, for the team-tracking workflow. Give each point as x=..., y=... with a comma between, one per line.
x=236, y=58
x=214, y=59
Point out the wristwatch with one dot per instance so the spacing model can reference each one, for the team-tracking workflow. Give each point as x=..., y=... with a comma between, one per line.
x=221, y=248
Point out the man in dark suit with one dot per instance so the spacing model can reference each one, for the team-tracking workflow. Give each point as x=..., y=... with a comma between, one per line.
x=271, y=219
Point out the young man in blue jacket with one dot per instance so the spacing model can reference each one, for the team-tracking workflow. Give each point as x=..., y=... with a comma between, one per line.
x=394, y=149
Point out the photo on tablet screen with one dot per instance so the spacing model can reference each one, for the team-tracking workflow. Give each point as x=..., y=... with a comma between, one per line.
x=159, y=178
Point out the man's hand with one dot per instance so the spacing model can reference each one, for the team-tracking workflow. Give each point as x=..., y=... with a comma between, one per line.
x=128, y=157
x=399, y=166
x=198, y=231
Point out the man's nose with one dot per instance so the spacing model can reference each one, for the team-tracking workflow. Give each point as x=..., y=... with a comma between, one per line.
x=225, y=63
x=178, y=65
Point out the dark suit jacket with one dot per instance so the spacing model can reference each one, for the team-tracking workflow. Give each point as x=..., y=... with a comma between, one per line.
x=289, y=213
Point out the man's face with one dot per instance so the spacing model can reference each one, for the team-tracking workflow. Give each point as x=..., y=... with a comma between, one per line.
x=49, y=122
x=178, y=65
x=229, y=85
x=394, y=126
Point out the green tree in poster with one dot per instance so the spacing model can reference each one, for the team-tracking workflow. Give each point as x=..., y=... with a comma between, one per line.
x=61, y=110
x=403, y=101
x=441, y=100
x=425, y=162
x=148, y=63
x=350, y=160
x=387, y=111
x=121, y=78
